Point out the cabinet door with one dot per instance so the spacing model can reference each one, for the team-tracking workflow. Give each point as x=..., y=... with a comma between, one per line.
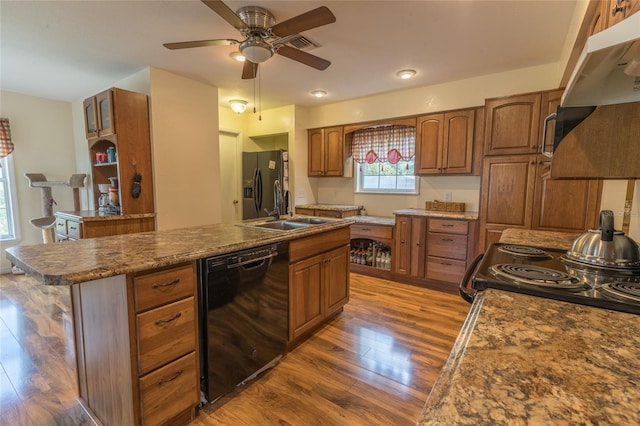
x=336, y=279
x=305, y=291
x=334, y=151
x=316, y=152
x=418, y=247
x=429, y=140
x=457, y=152
x=90, y=117
x=511, y=125
x=104, y=107
x=507, y=194
x=402, y=245
x=564, y=205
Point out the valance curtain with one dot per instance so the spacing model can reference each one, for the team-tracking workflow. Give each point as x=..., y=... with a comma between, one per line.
x=384, y=143
x=6, y=146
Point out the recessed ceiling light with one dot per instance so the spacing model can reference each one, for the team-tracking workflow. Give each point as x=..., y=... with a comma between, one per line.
x=237, y=56
x=319, y=93
x=406, y=74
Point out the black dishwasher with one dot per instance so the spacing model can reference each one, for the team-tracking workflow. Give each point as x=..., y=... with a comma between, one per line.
x=243, y=314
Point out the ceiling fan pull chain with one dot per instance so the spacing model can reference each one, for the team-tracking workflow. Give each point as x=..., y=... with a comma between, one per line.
x=260, y=94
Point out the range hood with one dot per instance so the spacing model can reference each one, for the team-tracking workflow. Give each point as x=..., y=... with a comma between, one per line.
x=608, y=70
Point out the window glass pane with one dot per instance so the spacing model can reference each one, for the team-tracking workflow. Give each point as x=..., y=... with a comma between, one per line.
x=7, y=228
x=4, y=219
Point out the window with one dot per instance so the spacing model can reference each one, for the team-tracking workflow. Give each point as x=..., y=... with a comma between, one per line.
x=385, y=159
x=8, y=230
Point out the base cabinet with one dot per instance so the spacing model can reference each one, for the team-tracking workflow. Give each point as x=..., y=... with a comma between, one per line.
x=318, y=280
x=76, y=226
x=137, y=347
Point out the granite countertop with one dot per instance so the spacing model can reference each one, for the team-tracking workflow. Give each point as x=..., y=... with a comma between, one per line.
x=73, y=262
x=92, y=215
x=523, y=359
x=526, y=360
x=334, y=207
x=374, y=220
x=438, y=214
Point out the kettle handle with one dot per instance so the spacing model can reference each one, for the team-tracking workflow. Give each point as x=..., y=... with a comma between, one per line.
x=606, y=225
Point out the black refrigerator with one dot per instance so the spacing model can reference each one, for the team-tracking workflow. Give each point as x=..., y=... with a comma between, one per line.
x=259, y=171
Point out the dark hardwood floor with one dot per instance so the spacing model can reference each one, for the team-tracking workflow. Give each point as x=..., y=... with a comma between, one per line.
x=374, y=364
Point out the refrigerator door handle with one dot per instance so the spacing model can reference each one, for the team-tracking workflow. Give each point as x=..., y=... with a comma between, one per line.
x=255, y=190
x=259, y=192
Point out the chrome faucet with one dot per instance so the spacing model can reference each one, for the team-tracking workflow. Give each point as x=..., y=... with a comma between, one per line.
x=287, y=195
x=277, y=201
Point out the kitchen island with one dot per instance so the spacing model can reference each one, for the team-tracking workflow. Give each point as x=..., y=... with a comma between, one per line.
x=522, y=359
x=135, y=316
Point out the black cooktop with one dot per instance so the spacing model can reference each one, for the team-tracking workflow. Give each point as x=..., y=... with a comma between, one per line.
x=548, y=273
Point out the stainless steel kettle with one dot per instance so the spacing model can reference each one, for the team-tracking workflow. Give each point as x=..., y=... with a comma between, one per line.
x=605, y=246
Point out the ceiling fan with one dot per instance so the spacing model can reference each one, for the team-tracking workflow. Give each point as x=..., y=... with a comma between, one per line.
x=263, y=37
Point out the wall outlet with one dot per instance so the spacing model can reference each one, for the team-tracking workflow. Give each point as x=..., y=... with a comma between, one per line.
x=301, y=194
x=448, y=196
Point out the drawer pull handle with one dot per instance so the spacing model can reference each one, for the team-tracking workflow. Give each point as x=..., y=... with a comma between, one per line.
x=447, y=225
x=445, y=264
x=172, y=378
x=173, y=318
x=447, y=239
x=167, y=284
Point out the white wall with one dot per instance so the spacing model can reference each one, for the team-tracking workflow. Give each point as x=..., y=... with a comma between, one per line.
x=185, y=151
x=42, y=133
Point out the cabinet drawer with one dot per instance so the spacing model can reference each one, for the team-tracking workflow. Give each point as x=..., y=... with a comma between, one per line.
x=61, y=226
x=447, y=245
x=303, y=248
x=308, y=212
x=165, y=333
x=169, y=390
x=449, y=226
x=329, y=213
x=162, y=287
x=74, y=229
x=373, y=232
x=447, y=270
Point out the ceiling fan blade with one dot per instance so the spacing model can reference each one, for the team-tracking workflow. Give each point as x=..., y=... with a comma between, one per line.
x=311, y=19
x=227, y=14
x=250, y=70
x=200, y=43
x=303, y=57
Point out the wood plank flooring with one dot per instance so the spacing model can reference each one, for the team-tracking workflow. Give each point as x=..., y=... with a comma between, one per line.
x=374, y=364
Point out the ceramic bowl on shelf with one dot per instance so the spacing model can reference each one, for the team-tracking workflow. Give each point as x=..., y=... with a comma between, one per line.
x=104, y=188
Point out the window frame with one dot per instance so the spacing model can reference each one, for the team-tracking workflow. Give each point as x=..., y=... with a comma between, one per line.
x=7, y=180
x=359, y=177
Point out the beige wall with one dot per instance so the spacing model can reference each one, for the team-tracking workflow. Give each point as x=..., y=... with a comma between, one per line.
x=185, y=151
x=42, y=133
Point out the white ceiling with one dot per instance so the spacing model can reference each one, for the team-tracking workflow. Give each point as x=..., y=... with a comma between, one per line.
x=69, y=50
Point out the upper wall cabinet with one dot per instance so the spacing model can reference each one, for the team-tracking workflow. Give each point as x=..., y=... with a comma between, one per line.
x=617, y=10
x=326, y=151
x=511, y=125
x=98, y=115
x=445, y=143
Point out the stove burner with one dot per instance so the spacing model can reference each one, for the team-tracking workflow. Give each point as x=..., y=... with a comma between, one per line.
x=525, y=251
x=628, y=292
x=536, y=276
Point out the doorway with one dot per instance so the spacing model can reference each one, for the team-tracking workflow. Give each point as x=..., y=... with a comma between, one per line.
x=230, y=151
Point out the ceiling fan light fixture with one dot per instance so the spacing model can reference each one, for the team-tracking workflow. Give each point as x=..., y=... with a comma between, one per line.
x=237, y=56
x=319, y=93
x=256, y=50
x=406, y=74
x=238, y=105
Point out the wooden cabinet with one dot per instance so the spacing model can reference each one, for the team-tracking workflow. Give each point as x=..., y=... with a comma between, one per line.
x=617, y=10
x=98, y=115
x=445, y=143
x=517, y=192
x=137, y=346
x=318, y=280
x=410, y=246
x=448, y=249
x=512, y=125
x=382, y=235
x=88, y=224
x=119, y=120
x=326, y=152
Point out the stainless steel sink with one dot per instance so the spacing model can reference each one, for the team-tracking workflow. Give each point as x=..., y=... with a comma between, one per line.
x=282, y=225
x=309, y=220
